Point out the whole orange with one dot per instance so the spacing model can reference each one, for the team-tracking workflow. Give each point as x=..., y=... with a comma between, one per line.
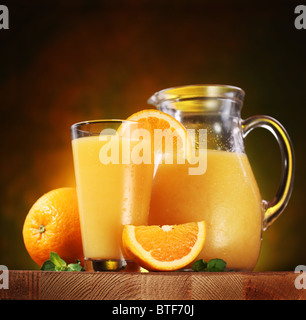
x=52, y=224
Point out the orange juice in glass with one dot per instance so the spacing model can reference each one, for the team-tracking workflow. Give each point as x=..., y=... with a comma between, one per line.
x=225, y=194
x=113, y=190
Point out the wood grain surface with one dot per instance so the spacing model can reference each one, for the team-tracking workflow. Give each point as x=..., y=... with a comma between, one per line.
x=43, y=285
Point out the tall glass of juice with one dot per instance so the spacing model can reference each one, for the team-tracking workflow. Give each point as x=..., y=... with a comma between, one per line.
x=114, y=180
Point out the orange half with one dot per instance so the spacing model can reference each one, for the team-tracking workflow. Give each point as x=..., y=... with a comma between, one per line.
x=164, y=248
x=169, y=130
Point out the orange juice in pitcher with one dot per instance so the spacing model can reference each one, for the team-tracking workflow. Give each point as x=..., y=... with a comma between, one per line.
x=226, y=195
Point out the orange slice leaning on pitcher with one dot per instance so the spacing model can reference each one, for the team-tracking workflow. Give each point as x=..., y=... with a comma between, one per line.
x=169, y=129
x=164, y=248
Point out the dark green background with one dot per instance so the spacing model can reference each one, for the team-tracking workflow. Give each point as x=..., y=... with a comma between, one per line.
x=66, y=61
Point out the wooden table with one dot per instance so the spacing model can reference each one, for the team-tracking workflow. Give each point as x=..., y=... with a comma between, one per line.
x=43, y=285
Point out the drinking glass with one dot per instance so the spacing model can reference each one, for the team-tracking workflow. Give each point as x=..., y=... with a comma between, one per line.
x=113, y=181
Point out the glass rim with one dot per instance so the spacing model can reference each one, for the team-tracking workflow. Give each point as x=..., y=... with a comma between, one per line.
x=185, y=92
x=77, y=128
x=88, y=122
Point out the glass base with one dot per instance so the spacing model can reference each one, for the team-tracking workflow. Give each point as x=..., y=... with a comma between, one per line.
x=110, y=265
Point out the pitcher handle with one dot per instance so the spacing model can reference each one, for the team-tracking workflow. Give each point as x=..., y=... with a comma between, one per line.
x=273, y=208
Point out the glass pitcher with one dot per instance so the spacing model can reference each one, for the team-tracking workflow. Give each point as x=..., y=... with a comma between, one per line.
x=226, y=196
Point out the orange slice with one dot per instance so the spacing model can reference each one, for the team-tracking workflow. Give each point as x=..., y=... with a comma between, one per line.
x=164, y=248
x=169, y=130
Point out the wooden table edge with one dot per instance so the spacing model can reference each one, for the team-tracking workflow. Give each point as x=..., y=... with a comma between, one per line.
x=53, y=285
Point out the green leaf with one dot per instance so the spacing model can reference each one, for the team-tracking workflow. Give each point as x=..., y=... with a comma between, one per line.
x=58, y=262
x=199, y=265
x=213, y=265
x=55, y=263
x=216, y=265
x=75, y=267
x=48, y=266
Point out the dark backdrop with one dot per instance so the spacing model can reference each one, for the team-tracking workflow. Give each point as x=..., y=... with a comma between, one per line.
x=66, y=61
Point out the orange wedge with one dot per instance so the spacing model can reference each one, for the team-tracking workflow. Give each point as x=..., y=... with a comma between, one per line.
x=164, y=248
x=169, y=130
